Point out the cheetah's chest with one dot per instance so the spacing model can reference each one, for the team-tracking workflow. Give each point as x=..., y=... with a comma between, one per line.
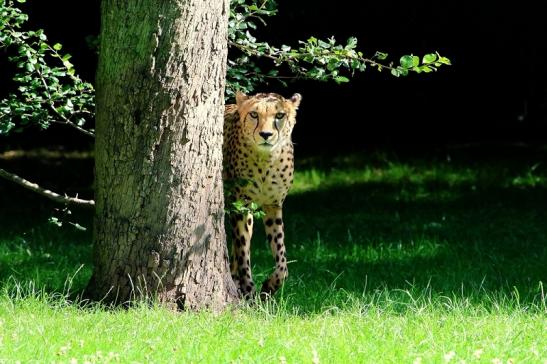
x=268, y=180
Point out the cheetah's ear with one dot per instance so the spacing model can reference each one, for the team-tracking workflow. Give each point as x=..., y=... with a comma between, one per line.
x=295, y=99
x=240, y=98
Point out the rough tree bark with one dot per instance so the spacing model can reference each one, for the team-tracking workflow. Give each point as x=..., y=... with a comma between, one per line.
x=159, y=224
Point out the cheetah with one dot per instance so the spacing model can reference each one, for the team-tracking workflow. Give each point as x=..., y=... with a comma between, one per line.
x=258, y=149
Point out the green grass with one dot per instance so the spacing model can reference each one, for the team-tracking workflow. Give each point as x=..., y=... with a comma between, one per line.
x=392, y=260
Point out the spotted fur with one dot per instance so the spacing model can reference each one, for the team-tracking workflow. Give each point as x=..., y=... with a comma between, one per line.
x=258, y=149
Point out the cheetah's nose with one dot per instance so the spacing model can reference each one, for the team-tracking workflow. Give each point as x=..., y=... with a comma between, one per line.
x=265, y=134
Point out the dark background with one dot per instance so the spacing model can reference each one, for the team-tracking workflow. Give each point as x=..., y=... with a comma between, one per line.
x=495, y=92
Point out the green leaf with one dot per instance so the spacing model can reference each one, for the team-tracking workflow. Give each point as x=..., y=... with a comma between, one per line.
x=341, y=79
x=333, y=64
x=323, y=44
x=68, y=65
x=407, y=61
x=55, y=221
x=429, y=58
x=352, y=43
x=445, y=60
x=57, y=46
x=380, y=56
x=312, y=40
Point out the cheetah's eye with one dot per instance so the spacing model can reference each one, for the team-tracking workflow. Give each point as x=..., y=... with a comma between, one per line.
x=253, y=114
x=280, y=115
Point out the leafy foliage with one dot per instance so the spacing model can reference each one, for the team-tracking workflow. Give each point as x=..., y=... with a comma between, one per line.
x=316, y=59
x=235, y=207
x=48, y=89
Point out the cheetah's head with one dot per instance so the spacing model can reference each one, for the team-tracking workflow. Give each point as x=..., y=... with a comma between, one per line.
x=267, y=119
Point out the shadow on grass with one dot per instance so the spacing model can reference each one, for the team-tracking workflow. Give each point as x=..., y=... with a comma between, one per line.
x=472, y=231
x=367, y=237
x=474, y=238
x=31, y=248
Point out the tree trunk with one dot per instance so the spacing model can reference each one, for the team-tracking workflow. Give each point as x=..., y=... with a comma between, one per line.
x=159, y=224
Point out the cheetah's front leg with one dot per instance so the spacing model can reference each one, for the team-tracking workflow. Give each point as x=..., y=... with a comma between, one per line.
x=273, y=223
x=241, y=260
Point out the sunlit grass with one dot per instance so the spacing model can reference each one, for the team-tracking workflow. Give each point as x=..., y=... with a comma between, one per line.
x=313, y=179
x=359, y=332
x=403, y=261
x=401, y=173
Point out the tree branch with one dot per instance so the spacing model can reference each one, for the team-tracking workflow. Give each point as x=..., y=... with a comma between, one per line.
x=275, y=56
x=45, y=192
x=52, y=107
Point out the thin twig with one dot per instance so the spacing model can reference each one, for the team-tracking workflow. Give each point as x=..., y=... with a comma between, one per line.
x=45, y=192
x=65, y=121
x=71, y=124
x=254, y=52
x=273, y=77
